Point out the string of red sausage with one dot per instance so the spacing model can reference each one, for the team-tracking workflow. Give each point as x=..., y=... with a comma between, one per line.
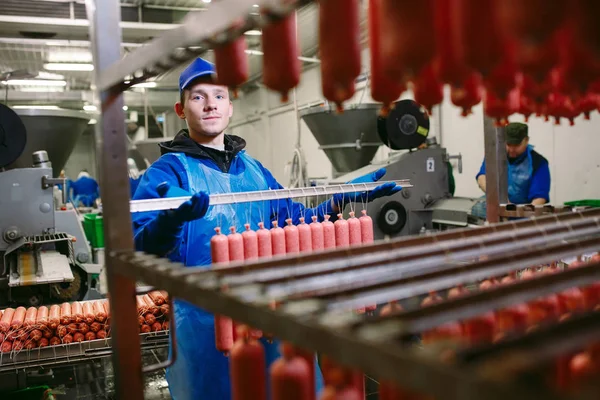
x=35, y=327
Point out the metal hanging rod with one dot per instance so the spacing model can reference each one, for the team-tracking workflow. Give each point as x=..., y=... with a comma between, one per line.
x=262, y=195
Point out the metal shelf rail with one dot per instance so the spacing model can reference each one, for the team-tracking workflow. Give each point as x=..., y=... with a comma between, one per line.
x=320, y=320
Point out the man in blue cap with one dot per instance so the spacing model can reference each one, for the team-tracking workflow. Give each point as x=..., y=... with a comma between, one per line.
x=528, y=171
x=199, y=161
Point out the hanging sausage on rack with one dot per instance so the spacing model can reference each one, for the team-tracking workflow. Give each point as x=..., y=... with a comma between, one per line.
x=339, y=49
x=383, y=89
x=231, y=63
x=281, y=66
x=407, y=38
x=219, y=247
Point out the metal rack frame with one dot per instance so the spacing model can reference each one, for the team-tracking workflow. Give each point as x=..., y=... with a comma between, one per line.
x=406, y=366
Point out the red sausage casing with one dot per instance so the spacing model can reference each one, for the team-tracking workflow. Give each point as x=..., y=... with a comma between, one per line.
x=232, y=64
x=328, y=233
x=292, y=239
x=354, y=234
x=290, y=379
x=304, y=236
x=65, y=313
x=316, y=234
x=157, y=298
x=281, y=67
x=277, y=239
x=247, y=366
x=77, y=311
x=99, y=313
x=235, y=245
x=18, y=318
x=41, y=318
x=342, y=233
x=219, y=247
x=250, y=243
x=30, y=317
x=88, y=313
x=366, y=227
x=263, y=238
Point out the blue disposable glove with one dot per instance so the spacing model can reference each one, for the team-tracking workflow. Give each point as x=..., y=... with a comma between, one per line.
x=193, y=209
x=387, y=189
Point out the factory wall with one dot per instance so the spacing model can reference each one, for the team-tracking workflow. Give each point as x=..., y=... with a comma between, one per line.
x=83, y=156
x=270, y=129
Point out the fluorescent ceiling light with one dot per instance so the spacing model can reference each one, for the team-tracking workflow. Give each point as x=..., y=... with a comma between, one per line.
x=253, y=32
x=34, y=82
x=92, y=121
x=254, y=52
x=125, y=108
x=69, y=56
x=89, y=107
x=255, y=5
x=41, y=89
x=206, y=1
x=144, y=85
x=36, y=107
x=49, y=75
x=68, y=67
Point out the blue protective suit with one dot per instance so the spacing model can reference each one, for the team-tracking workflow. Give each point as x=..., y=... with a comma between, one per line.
x=84, y=190
x=202, y=372
x=526, y=181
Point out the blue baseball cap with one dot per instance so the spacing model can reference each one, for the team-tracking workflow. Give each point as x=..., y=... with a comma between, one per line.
x=199, y=67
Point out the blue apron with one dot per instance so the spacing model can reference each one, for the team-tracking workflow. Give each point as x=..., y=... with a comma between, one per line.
x=201, y=371
x=519, y=181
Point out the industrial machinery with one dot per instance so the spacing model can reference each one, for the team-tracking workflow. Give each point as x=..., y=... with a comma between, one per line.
x=350, y=141
x=44, y=255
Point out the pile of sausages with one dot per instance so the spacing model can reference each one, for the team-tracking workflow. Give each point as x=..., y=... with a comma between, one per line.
x=33, y=327
x=527, y=57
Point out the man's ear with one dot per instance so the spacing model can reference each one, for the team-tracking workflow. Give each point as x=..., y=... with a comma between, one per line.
x=179, y=110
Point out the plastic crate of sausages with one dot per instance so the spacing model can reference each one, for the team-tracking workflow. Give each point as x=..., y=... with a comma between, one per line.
x=33, y=327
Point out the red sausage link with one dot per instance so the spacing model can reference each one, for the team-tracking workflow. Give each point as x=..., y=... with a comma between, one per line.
x=18, y=318
x=77, y=311
x=250, y=240
x=157, y=298
x=339, y=45
x=342, y=232
x=165, y=326
x=157, y=326
x=265, y=246
x=72, y=328
x=304, y=236
x=428, y=88
x=281, y=67
x=366, y=227
x=6, y=346
x=219, y=247
x=43, y=342
x=88, y=313
x=150, y=319
x=41, y=318
x=90, y=336
x=47, y=333
x=145, y=329
x=328, y=233
x=101, y=334
x=383, y=88
x=247, y=366
x=232, y=64
x=290, y=377
x=65, y=313
x=354, y=233
x=6, y=319
x=84, y=328
x=96, y=326
x=405, y=49
x=142, y=307
x=292, y=239
x=36, y=334
x=316, y=234
x=67, y=339
x=277, y=239
x=17, y=345
x=235, y=245
x=152, y=308
x=78, y=337
x=54, y=341
x=30, y=317
x=61, y=331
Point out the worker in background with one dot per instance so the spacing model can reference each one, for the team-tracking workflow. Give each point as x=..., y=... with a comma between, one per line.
x=203, y=160
x=84, y=191
x=528, y=171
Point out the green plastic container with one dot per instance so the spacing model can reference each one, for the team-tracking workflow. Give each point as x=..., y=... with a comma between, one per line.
x=583, y=203
x=93, y=225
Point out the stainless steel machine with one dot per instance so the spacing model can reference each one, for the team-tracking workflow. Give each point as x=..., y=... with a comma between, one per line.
x=44, y=255
x=350, y=141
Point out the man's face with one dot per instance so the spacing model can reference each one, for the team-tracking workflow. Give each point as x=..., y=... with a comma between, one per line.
x=515, y=150
x=207, y=108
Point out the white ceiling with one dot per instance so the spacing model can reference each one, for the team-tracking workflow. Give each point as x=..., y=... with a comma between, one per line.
x=34, y=32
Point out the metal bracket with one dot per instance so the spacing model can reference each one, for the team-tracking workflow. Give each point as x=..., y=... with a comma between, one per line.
x=459, y=158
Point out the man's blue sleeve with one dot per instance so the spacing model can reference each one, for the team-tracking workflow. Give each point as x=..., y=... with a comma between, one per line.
x=294, y=210
x=540, y=183
x=481, y=170
x=153, y=233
